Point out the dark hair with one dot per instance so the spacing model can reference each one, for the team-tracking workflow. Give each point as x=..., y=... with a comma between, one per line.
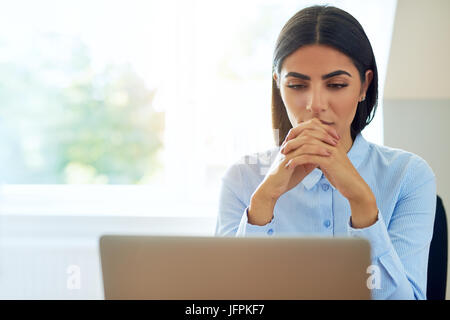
x=334, y=27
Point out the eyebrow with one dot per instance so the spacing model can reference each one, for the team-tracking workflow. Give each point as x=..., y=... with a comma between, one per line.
x=324, y=77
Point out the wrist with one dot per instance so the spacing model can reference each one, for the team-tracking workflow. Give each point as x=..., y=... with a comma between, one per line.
x=364, y=212
x=260, y=211
x=262, y=195
x=363, y=201
x=363, y=195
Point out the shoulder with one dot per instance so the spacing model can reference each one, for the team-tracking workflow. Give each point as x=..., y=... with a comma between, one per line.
x=397, y=161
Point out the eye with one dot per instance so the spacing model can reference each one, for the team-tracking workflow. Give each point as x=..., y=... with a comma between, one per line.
x=296, y=86
x=331, y=85
x=337, y=85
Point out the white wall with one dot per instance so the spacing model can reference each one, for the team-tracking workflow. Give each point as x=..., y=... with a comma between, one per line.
x=417, y=91
x=36, y=252
x=419, y=63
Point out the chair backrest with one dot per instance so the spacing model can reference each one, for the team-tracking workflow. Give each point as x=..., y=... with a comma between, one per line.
x=437, y=260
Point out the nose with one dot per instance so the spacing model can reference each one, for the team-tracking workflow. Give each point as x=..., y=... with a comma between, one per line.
x=316, y=101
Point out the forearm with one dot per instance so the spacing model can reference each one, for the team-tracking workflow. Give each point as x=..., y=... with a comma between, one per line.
x=389, y=278
x=364, y=209
x=260, y=211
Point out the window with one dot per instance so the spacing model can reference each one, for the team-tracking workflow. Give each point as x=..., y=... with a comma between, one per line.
x=123, y=107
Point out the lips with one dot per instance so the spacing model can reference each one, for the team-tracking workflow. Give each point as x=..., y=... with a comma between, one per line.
x=323, y=121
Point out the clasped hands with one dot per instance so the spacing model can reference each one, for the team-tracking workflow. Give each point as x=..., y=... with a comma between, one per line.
x=313, y=144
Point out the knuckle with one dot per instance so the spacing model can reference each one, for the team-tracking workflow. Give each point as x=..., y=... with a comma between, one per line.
x=307, y=134
x=290, y=133
x=290, y=145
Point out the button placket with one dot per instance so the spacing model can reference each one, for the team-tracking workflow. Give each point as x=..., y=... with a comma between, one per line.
x=327, y=195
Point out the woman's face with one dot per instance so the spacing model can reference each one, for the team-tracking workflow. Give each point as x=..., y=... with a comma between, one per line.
x=318, y=81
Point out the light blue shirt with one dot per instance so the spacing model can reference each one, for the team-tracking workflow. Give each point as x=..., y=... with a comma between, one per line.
x=404, y=186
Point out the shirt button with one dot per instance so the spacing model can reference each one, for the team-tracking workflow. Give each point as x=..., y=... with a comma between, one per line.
x=325, y=187
x=327, y=223
x=270, y=232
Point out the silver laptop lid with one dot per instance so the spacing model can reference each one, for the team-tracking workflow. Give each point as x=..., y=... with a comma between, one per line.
x=210, y=268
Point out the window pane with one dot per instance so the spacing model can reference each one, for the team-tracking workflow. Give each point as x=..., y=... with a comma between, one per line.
x=146, y=92
x=76, y=91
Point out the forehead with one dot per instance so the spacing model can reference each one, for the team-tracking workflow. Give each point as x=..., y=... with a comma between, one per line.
x=317, y=59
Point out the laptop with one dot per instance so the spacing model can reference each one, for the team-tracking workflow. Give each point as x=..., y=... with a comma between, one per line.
x=227, y=268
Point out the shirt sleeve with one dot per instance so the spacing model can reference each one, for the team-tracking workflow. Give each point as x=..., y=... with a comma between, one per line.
x=232, y=219
x=400, y=249
x=246, y=229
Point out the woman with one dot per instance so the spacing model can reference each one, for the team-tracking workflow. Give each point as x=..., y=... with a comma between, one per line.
x=324, y=177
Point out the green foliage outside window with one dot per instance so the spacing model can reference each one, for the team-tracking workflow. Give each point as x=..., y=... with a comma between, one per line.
x=64, y=121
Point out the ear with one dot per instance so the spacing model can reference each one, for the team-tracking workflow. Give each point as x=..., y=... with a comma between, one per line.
x=368, y=79
x=275, y=77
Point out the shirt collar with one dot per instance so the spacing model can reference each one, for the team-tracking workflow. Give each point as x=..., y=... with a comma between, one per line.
x=355, y=154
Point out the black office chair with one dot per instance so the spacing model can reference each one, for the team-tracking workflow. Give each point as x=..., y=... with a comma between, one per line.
x=437, y=260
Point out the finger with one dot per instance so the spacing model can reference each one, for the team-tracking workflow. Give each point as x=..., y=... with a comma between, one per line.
x=312, y=149
x=297, y=131
x=313, y=123
x=308, y=136
x=331, y=130
x=318, y=148
x=305, y=159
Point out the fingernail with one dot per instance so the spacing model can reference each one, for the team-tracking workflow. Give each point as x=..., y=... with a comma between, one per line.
x=287, y=164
